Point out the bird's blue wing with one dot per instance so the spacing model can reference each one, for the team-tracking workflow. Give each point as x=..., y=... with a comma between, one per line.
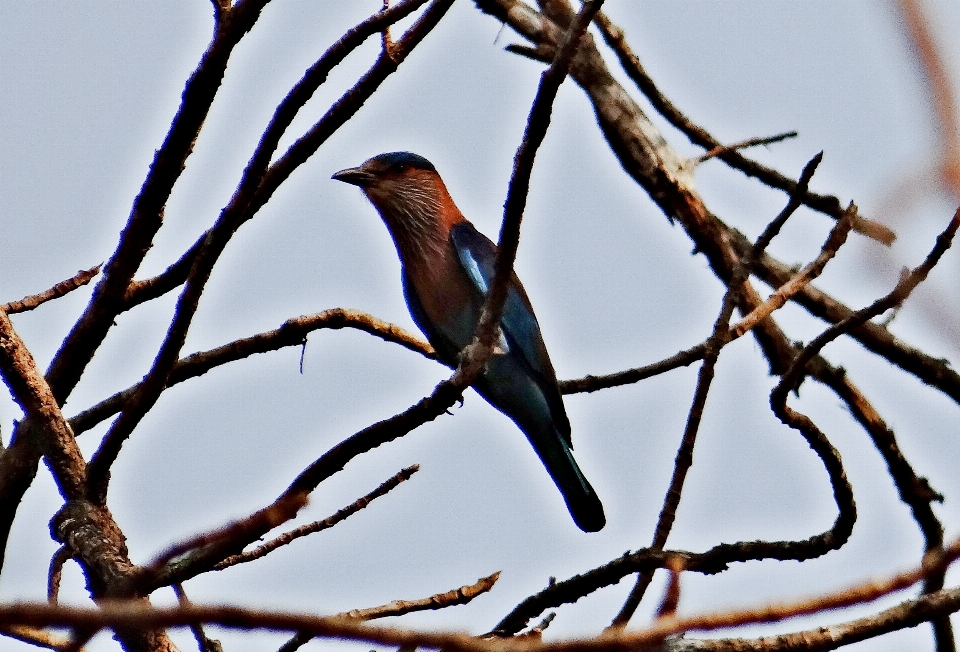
x=519, y=324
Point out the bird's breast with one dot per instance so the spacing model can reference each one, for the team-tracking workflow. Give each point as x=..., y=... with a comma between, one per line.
x=446, y=296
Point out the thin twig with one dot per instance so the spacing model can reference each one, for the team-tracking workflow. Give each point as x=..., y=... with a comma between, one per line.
x=935, y=372
x=59, y=558
x=536, y=130
x=234, y=534
x=671, y=596
x=203, y=642
x=463, y=595
x=596, y=383
x=296, y=642
x=318, y=526
x=899, y=294
x=60, y=289
x=333, y=461
x=793, y=203
x=779, y=298
x=743, y=144
x=684, y=457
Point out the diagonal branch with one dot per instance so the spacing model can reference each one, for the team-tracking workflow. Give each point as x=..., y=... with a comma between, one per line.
x=318, y=526
x=243, y=205
x=536, y=130
x=146, y=215
x=780, y=296
x=827, y=204
x=62, y=288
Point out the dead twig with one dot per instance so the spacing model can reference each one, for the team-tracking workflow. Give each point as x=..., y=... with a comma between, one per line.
x=62, y=288
x=204, y=643
x=39, y=637
x=743, y=144
x=233, y=535
x=59, y=558
x=318, y=526
x=779, y=298
x=463, y=595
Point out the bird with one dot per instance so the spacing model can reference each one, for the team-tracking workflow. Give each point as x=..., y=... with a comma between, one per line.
x=447, y=268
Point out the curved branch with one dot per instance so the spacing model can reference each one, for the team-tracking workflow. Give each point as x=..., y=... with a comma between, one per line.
x=292, y=332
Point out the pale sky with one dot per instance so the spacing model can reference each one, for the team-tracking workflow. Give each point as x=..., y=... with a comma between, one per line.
x=90, y=89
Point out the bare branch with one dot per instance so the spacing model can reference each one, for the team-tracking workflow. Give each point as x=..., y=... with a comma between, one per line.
x=251, y=194
x=318, y=526
x=671, y=596
x=146, y=215
x=292, y=332
x=60, y=289
x=779, y=298
x=536, y=130
x=718, y=339
x=684, y=457
x=129, y=615
x=333, y=461
x=204, y=644
x=43, y=419
x=874, y=337
x=39, y=637
x=829, y=205
x=743, y=144
x=463, y=595
x=630, y=376
x=234, y=535
x=894, y=298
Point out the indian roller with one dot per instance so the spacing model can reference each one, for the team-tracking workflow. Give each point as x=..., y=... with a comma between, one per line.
x=447, y=270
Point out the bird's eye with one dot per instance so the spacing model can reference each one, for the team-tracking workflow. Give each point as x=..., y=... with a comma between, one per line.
x=400, y=167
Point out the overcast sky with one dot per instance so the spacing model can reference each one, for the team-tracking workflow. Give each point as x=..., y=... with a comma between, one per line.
x=89, y=90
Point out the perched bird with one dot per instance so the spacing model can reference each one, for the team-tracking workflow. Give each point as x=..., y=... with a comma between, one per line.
x=447, y=270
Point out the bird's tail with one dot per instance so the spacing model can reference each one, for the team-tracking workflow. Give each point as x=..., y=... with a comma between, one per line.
x=582, y=501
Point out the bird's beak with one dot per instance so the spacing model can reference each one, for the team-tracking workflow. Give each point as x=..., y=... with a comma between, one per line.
x=355, y=176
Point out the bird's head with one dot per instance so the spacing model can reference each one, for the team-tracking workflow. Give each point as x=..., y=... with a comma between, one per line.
x=409, y=195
